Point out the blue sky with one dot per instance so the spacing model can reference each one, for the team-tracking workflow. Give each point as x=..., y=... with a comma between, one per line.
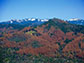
x=20, y=9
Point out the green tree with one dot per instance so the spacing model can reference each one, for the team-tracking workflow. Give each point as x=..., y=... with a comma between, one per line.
x=1, y=55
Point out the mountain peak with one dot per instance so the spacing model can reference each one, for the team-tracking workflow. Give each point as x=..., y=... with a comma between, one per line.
x=74, y=19
x=58, y=20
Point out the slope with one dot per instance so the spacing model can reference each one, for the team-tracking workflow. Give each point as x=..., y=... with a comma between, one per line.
x=55, y=39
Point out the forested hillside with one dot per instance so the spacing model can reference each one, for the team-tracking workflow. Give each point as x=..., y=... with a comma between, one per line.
x=55, y=41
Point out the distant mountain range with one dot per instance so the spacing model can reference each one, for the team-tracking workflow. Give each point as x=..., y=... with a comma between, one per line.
x=35, y=21
x=76, y=21
x=29, y=21
x=32, y=22
x=20, y=24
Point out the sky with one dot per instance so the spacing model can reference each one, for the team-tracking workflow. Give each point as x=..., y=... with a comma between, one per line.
x=20, y=9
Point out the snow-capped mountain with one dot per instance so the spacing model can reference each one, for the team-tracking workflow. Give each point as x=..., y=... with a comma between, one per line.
x=28, y=21
x=76, y=21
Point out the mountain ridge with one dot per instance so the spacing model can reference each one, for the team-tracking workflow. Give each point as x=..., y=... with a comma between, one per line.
x=24, y=21
x=76, y=21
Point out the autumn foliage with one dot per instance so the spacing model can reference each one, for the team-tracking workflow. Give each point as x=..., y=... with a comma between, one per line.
x=54, y=38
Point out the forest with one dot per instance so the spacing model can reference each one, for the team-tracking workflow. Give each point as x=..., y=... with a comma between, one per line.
x=55, y=41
